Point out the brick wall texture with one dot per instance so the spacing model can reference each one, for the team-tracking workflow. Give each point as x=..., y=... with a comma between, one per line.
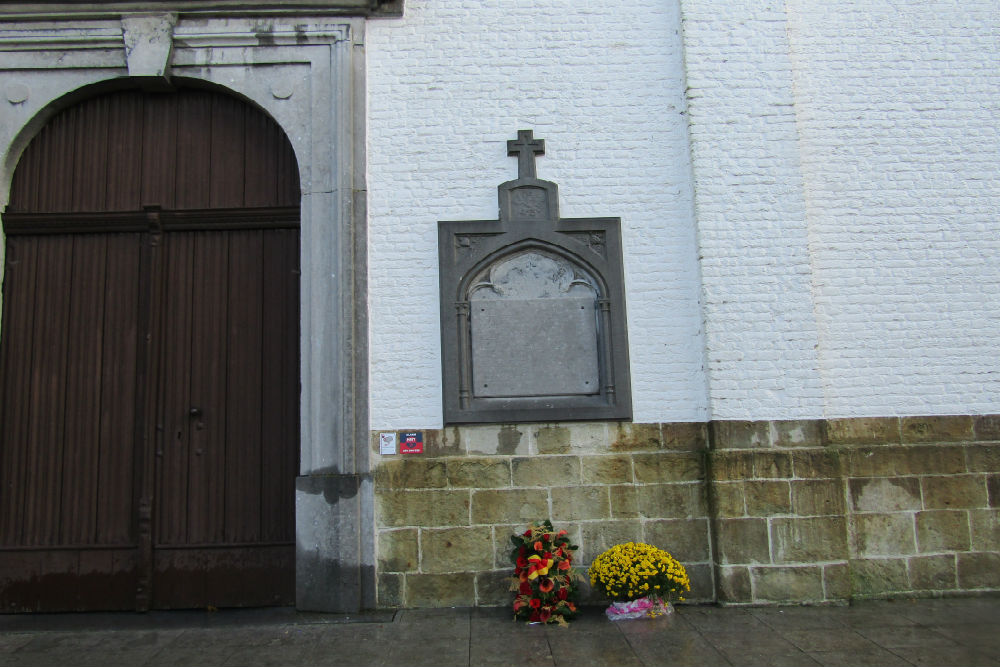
x=809, y=511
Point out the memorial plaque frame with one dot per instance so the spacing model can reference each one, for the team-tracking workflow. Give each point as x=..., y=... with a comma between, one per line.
x=554, y=261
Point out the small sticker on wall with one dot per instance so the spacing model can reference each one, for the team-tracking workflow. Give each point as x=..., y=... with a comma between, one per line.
x=386, y=443
x=411, y=443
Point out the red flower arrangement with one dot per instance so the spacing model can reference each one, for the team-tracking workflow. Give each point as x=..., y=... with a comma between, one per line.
x=544, y=578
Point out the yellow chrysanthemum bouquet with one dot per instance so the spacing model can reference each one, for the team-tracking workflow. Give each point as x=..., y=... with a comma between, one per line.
x=639, y=578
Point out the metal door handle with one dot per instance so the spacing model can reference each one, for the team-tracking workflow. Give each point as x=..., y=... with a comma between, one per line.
x=195, y=412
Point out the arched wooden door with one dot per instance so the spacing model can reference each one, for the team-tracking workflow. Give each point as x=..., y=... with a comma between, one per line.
x=149, y=359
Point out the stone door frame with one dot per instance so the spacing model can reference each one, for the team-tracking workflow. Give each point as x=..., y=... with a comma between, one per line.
x=308, y=74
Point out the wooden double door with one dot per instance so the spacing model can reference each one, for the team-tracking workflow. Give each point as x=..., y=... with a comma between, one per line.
x=149, y=360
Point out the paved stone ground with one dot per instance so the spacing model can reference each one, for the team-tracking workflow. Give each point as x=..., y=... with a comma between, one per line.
x=906, y=632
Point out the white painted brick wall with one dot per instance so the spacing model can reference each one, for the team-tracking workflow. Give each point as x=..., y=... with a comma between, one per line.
x=602, y=83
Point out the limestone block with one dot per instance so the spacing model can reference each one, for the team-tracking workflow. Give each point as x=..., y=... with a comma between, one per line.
x=880, y=461
x=979, y=570
x=742, y=541
x=837, y=581
x=552, y=440
x=598, y=536
x=983, y=458
x=769, y=465
x=883, y=534
x=671, y=501
x=483, y=473
x=635, y=437
x=443, y=442
x=954, y=492
x=398, y=550
x=684, y=436
x=422, y=508
x=389, y=591
x=734, y=584
x=885, y=494
x=809, y=540
x=987, y=427
x=440, y=590
x=740, y=434
x=729, y=499
x=877, y=576
x=787, y=584
x=816, y=463
x=609, y=469
x=985, y=526
x=700, y=577
x=491, y=440
x=493, y=588
x=546, y=471
x=933, y=573
x=624, y=501
x=510, y=506
x=933, y=460
x=685, y=539
x=410, y=473
x=936, y=429
x=765, y=498
x=668, y=467
x=580, y=502
x=818, y=497
x=731, y=466
x=575, y=437
x=797, y=433
x=465, y=549
x=149, y=42
x=943, y=530
x=863, y=431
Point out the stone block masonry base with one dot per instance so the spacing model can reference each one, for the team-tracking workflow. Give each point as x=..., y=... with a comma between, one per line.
x=816, y=511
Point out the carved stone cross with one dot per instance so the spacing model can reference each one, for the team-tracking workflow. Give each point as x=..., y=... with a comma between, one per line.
x=525, y=148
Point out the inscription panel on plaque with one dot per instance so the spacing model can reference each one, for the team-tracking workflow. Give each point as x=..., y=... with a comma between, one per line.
x=534, y=347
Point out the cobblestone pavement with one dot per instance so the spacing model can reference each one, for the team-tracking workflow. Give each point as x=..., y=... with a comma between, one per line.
x=905, y=632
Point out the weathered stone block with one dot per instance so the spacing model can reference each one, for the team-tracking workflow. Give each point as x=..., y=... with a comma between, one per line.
x=816, y=463
x=954, y=492
x=943, y=530
x=493, y=588
x=740, y=434
x=546, y=471
x=729, y=499
x=837, y=581
x=731, y=466
x=883, y=534
x=481, y=473
x=769, y=465
x=509, y=506
x=580, y=502
x=389, y=591
x=552, y=440
x=880, y=461
x=863, y=431
x=635, y=437
x=440, y=590
x=809, y=540
x=412, y=473
x=905, y=460
x=490, y=440
x=936, y=429
x=979, y=570
x=877, y=576
x=985, y=526
x=742, y=541
x=585, y=438
x=734, y=584
x=456, y=549
x=443, y=442
x=671, y=500
x=993, y=489
x=599, y=536
x=983, y=458
x=684, y=436
x=987, y=427
x=933, y=573
x=685, y=539
x=610, y=469
x=398, y=550
x=624, y=502
x=885, y=494
x=765, y=498
x=700, y=577
x=668, y=467
x=422, y=508
x=787, y=584
x=818, y=497
x=798, y=433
